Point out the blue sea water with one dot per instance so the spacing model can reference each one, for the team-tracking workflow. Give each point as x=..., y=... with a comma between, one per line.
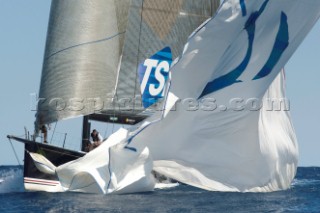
x=304, y=196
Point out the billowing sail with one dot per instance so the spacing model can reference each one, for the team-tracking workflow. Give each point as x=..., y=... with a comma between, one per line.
x=218, y=138
x=154, y=25
x=244, y=149
x=84, y=44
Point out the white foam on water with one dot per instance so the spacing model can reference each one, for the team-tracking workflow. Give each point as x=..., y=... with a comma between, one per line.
x=11, y=179
x=166, y=185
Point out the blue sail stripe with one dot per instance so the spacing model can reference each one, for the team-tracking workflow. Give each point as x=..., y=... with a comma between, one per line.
x=243, y=7
x=281, y=44
x=165, y=55
x=130, y=148
x=232, y=77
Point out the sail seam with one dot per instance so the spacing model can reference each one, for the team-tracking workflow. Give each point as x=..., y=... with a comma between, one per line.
x=87, y=43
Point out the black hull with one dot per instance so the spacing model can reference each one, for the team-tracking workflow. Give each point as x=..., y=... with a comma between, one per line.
x=56, y=155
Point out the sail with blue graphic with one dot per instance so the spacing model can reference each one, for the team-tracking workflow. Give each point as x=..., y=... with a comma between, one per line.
x=237, y=142
x=154, y=75
x=280, y=45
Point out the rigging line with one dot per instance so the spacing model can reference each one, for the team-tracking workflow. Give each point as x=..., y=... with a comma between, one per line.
x=106, y=131
x=114, y=115
x=137, y=65
x=113, y=127
x=14, y=151
x=54, y=130
x=90, y=42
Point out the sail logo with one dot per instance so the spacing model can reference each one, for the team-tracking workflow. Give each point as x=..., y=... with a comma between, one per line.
x=153, y=76
x=280, y=45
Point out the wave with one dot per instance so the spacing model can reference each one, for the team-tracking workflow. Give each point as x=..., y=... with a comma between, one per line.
x=166, y=185
x=304, y=182
x=11, y=179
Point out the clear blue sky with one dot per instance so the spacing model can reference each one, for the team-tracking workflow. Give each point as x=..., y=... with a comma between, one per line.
x=22, y=39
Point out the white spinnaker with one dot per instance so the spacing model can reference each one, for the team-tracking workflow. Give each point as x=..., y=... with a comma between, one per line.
x=43, y=164
x=233, y=150
x=229, y=151
x=111, y=168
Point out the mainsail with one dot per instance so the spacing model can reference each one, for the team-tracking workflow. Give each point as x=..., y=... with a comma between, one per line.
x=84, y=44
x=94, y=47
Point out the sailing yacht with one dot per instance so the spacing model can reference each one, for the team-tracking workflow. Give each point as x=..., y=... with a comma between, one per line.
x=91, y=65
x=101, y=55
